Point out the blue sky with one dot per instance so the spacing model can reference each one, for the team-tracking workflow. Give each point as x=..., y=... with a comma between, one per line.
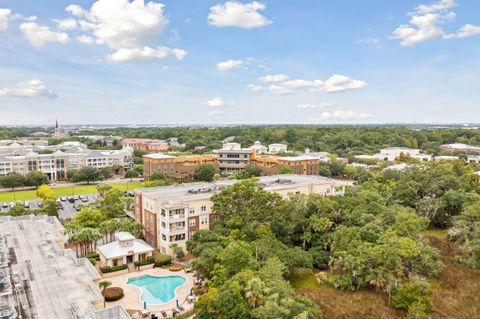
x=203, y=61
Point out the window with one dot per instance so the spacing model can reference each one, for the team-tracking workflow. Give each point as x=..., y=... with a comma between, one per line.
x=192, y=210
x=192, y=222
x=204, y=208
x=204, y=220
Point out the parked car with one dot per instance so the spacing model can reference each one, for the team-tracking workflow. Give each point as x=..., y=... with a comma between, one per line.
x=71, y=199
x=77, y=207
x=4, y=205
x=76, y=197
x=131, y=194
x=63, y=199
x=84, y=198
x=26, y=204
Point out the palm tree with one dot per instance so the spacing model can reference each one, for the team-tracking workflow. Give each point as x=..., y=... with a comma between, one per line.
x=174, y=247
x=104, y=285
x=255, y=290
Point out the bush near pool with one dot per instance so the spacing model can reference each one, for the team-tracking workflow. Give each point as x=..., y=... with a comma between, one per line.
x=113, y=293
x=107, y=269
x=147, y=261
x=161, y=259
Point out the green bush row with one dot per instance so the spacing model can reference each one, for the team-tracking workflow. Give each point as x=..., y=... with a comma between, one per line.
x=144, y=262
x=108, y=269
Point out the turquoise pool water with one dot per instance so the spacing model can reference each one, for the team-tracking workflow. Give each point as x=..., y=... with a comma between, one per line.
x=157, y=290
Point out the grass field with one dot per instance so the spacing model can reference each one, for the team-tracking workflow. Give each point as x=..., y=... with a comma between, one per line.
x=455, y=293
x=65, y=191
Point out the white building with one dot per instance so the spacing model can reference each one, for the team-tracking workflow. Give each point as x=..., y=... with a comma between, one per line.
x=125, y=249
x=470, y=159
x=277, y=148
x=459, y=147
x=56, y=160
x=394, y=153
x=259, y=148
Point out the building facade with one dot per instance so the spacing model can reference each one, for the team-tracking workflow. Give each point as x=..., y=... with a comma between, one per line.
x=178, y=167
x=56, y=160
x=172, y=214
x=233, y=158
x=148, y=145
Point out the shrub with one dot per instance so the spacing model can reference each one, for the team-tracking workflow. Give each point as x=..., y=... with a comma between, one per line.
x=320, y=257
x=92, y=260
x=144, y=262
x=93, y=255
x=413, y=298
x=113, y=293
x=161, y=259
x=108, y=269
x=179, y=252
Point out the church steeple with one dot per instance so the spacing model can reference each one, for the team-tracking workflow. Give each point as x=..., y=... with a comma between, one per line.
x=56, y=124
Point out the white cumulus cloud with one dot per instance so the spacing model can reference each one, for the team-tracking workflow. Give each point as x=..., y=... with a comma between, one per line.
x=236, y=14
x=339, y=83
x=468, y=30
x=282, y=85
x=344, y=115
x=39, y=35
x=145, y=53
x=314, y=106
x=273, y=78
x=229, y=65
x=4, y=17
x=128, y=27
x=32, y=88
x=66, y=24
x=216, y=102
x=426, y=23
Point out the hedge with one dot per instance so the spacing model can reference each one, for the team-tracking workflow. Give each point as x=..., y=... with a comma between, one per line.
x=93, y=255
x=113, y=293
x=161, y=259
x=108, y=269
x=144, y=262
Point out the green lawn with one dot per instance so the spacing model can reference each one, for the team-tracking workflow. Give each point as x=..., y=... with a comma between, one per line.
x=65, y=191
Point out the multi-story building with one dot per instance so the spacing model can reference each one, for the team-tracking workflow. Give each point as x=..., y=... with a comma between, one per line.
x=56, y=160
x=146, y=144
x=233, y=158
x=172, y=214
x=394, y=153
x=458, y=147
x=259, y=148
x=277, y=148
x=179, y=167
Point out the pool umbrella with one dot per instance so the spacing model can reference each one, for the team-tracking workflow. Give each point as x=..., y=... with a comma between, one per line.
x=177, y=303
x=191, y=292
x=145, y=305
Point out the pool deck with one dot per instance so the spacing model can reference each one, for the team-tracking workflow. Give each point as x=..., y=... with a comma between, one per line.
x=132, y=300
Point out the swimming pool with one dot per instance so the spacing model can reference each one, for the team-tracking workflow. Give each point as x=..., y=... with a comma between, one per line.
x=157, y=290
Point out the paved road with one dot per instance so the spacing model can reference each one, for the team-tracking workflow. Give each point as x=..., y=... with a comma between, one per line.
x=67, y=211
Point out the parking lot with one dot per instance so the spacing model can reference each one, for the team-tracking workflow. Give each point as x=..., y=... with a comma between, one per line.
x=68, y=209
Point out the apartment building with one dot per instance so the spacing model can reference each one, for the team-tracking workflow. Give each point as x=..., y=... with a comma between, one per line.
x=394, y=153
x=277, y=148
x=146, y=144
x=179, y=167
x=459, y=147
x=56, y=160
x=233, y=158
x=172, y=214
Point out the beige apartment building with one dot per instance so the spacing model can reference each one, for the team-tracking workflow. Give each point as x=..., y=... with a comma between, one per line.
x=56, y=160
x=172, y=214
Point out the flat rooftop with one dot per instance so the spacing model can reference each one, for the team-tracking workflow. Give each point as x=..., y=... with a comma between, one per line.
x=41, y=280
x=202, y=190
